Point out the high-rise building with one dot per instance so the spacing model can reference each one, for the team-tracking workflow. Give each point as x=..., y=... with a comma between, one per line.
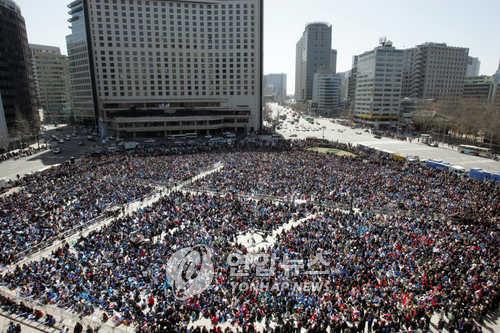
x=351, y=84
x=21, y=116
x=378, y=86
x=313, y=54
x=80, y=65
x=439, y=71
x=50, y=73
x=333, y=61
x=275, y=86
x=409, y=62
x=326, y=93
x=169, y=67
x=473, y=66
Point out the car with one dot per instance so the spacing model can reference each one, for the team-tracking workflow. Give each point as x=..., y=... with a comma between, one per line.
x=377, y=136
x=61, y=141
x=150, y=141
x=293, y=135
x=81, y=143
x=56, y=151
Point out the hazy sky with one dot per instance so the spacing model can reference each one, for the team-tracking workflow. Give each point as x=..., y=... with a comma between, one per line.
x=357, y=27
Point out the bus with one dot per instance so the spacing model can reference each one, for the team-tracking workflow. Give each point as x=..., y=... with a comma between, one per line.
x=475, y=151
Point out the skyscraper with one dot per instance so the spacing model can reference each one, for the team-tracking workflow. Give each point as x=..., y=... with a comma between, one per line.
x=80, y=64
x=439, y=71
x=378, y=86
x=351, y=84
x=21, y=116
x=313, y=54
x=473, y=66
x=275, y=85
x=326, y=93
x=170, y=67
x=333, y=61
x=50, y=72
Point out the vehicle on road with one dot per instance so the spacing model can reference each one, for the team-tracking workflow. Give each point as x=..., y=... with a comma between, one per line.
x=56, y=151
x=475, y=151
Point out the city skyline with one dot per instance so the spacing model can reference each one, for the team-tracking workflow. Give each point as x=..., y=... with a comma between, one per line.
x=457, y=23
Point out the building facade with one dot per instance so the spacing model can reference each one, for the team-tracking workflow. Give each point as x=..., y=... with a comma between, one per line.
x=176, y=66
x=351, y=85
x=473, y=67
x=333, y=61
x=326, y=94
x=80, y=66
x=378, y=86
x=275, y=86
x=438, y=71
x=409, y=56
x=482, y=89
x=19, y=103
x=50, y=73
x=313, y=54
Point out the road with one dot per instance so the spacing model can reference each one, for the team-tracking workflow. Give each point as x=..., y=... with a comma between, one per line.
x=344, y=134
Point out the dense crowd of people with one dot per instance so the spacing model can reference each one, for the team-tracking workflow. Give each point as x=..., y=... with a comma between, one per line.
x=21, y=153
x=423, y=243
x=61, y=198
x=370, y=181
x=10, y=306
x=117, y=268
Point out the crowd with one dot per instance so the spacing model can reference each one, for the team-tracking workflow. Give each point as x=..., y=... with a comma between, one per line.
x=118, y=268
x=10, y=306
x=368, y=181
x=423, y=243
x=64, y=197
x=21, y=153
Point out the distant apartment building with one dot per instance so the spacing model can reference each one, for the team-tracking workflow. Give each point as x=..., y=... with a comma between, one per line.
x=351, y=85
x=80, y=65
x=16, y=89
x=313, y=54
x=378, y=86
x=50, y=73
x=438, y=71
x=326, y=94
x=333, y=61
x=409, y=62
x=157, y=68
x=481, y=89
x=473, y=67
x=275, y=86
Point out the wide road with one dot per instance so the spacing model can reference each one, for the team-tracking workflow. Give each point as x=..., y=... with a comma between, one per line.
x=344, y=134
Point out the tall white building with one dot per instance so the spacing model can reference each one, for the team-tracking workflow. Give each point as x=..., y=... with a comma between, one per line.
x=50, y=73
x=173, y=66
x=275, y=86
x=473, y=67
x=326, y=93
x=378, y=86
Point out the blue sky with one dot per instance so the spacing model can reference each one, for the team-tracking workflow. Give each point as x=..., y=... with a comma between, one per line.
x=357, y=27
